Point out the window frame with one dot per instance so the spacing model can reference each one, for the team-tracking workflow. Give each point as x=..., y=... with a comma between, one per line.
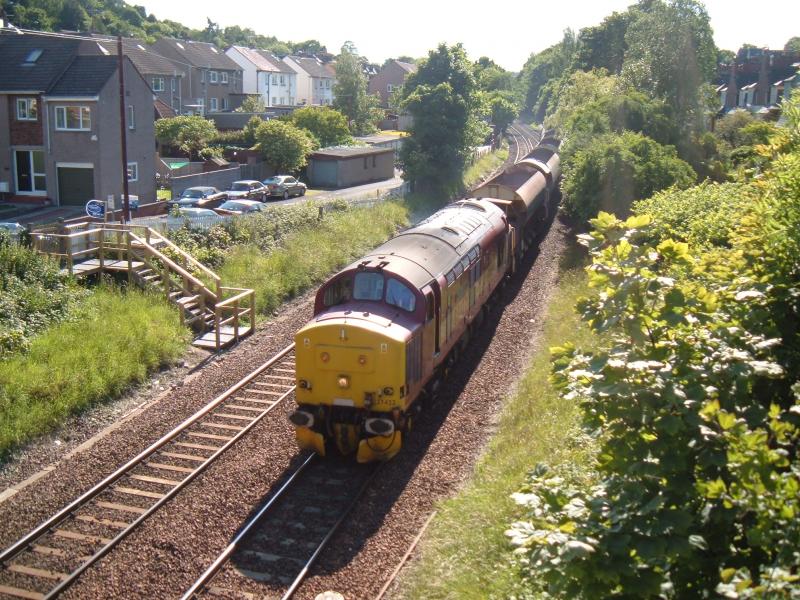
x=131, y=117
x=223, y=77
x=213, y=104
x=64, y=111
x=160, y=87
x=133, y=174
x=28, y=103
x=212, y=77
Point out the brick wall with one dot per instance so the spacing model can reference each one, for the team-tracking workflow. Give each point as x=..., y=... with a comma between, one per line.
x=24, y=133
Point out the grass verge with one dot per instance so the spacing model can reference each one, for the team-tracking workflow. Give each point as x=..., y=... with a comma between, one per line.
x=310, y=254
x=483, y=166
x=465, y=553
x=115, y=340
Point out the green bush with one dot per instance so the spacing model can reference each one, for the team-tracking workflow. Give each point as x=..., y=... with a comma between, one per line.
x=114, y=340
x=615, y=170
x=704, y=215
x=33, y=295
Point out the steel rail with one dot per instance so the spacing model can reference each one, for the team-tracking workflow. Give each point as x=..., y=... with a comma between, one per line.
x=23, y=543
x=304, y=571
x=218, y=563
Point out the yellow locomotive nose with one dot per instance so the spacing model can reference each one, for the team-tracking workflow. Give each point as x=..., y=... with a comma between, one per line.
x=347, y=373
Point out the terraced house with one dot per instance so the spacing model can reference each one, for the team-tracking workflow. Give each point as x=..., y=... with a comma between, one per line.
x=265, y=75
x=60, y=122
x=315, y=79
x=212, y=82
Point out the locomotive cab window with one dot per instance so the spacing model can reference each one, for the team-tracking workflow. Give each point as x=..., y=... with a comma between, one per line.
x=338, y=292
x=368, y=286
x=398, y=294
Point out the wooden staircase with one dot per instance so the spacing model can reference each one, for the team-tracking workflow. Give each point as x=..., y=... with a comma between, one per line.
x=220, y=315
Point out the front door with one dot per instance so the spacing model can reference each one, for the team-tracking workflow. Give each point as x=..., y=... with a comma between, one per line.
x=29, y=171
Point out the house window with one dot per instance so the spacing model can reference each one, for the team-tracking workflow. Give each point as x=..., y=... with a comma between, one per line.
x=274, y=100
x=223, y=77
x=131, y=117
x=224, y=104
x=173, y=84
x=283, y=80
x=274, y=80
x=389, y=88
x=214, y=105
x=75, y=118
x=27, y=109
x=212, y=77
x=327, y=84
x=133, y=171
x=281, y=100
x=158, y=84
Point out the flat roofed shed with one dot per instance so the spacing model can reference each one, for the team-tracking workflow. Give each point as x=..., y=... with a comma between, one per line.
x=348, y=152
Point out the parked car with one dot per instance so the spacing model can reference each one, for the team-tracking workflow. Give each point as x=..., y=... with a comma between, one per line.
x=200, y=197
x=14, y=230
x=240, y=207
x=248, y=190
x=193, y=211
x=283, y=186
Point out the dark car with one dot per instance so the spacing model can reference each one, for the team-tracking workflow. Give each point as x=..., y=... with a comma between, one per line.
x=240, y=207
x=200, y=197
x=283, y=186
x=248, y=190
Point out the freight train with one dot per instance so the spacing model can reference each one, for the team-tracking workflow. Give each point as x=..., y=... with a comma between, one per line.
x=387, y=327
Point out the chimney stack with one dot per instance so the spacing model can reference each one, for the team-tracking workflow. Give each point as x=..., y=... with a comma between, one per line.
x=732, y=95
x=762, y=89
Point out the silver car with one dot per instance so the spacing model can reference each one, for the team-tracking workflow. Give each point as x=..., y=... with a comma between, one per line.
x=283, y=186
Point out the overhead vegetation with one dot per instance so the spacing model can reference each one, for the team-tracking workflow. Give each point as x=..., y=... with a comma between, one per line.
x=350, y=93
x=442, y=97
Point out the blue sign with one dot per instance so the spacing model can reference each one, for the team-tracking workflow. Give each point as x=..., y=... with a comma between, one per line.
x=95, y=208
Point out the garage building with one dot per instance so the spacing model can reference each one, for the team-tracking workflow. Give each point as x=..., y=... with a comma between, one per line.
x=349, y=166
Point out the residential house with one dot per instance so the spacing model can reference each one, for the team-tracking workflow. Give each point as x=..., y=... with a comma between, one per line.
x=60, y=122
x=265, y=75
x=163, y=75
x=315, y=80
x=757, y=80
x=392, y=76
x=213, y=82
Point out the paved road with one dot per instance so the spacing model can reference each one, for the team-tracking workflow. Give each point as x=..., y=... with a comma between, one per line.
x=351, y=193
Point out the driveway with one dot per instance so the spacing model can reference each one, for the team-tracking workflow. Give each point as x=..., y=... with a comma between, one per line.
x=365, y=191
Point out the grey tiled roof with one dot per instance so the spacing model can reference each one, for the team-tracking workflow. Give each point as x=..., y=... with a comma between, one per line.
x=15, y=75
x=86, y=76
x=313, y=66
x=407, y=67
x=147, y=62
x=277, y=64
x=198, y=54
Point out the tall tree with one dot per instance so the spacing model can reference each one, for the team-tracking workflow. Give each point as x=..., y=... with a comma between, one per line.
x=187, y=134
x=283, y=145
x=350, y=92
x=327, y=125
x=442, y=97
x=671, y=54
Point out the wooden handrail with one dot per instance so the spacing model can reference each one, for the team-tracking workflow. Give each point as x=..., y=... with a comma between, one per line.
x=235, y=299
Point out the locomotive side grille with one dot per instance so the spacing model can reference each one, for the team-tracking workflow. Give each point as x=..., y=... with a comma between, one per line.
x=414, y=360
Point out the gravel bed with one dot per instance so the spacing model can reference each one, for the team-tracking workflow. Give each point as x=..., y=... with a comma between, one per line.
x=164, y=556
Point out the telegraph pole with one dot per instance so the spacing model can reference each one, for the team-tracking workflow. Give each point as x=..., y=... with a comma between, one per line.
x=126, y=208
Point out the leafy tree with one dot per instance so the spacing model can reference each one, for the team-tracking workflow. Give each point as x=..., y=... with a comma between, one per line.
x=442, y=98
x=502, y=109
x=350, y=93
x=792, y=45
x=725, y=57
x=250, y=129
x=252, y=104
x=540, y=69
x=671, y=54
x=603, y=46
x=187, y=134
x=614, y=170
x=283, y=145
x=327, y=125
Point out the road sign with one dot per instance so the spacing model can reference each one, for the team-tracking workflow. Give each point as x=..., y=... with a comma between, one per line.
x=96, y=208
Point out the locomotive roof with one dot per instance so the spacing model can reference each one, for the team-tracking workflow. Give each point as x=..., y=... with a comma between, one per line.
x=430, y=248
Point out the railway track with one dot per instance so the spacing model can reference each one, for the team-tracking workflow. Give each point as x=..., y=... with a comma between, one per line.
x=50, y=558
x=280, y=543
x=523, y=142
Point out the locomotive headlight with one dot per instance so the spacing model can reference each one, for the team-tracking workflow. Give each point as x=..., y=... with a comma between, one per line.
x=362, y=360
x=303, y=384
x=324, y=357
x=379, y=426
x=388, y=391
x=344, y=382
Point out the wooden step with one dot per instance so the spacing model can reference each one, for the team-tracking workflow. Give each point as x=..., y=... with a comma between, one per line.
x=187, y=300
